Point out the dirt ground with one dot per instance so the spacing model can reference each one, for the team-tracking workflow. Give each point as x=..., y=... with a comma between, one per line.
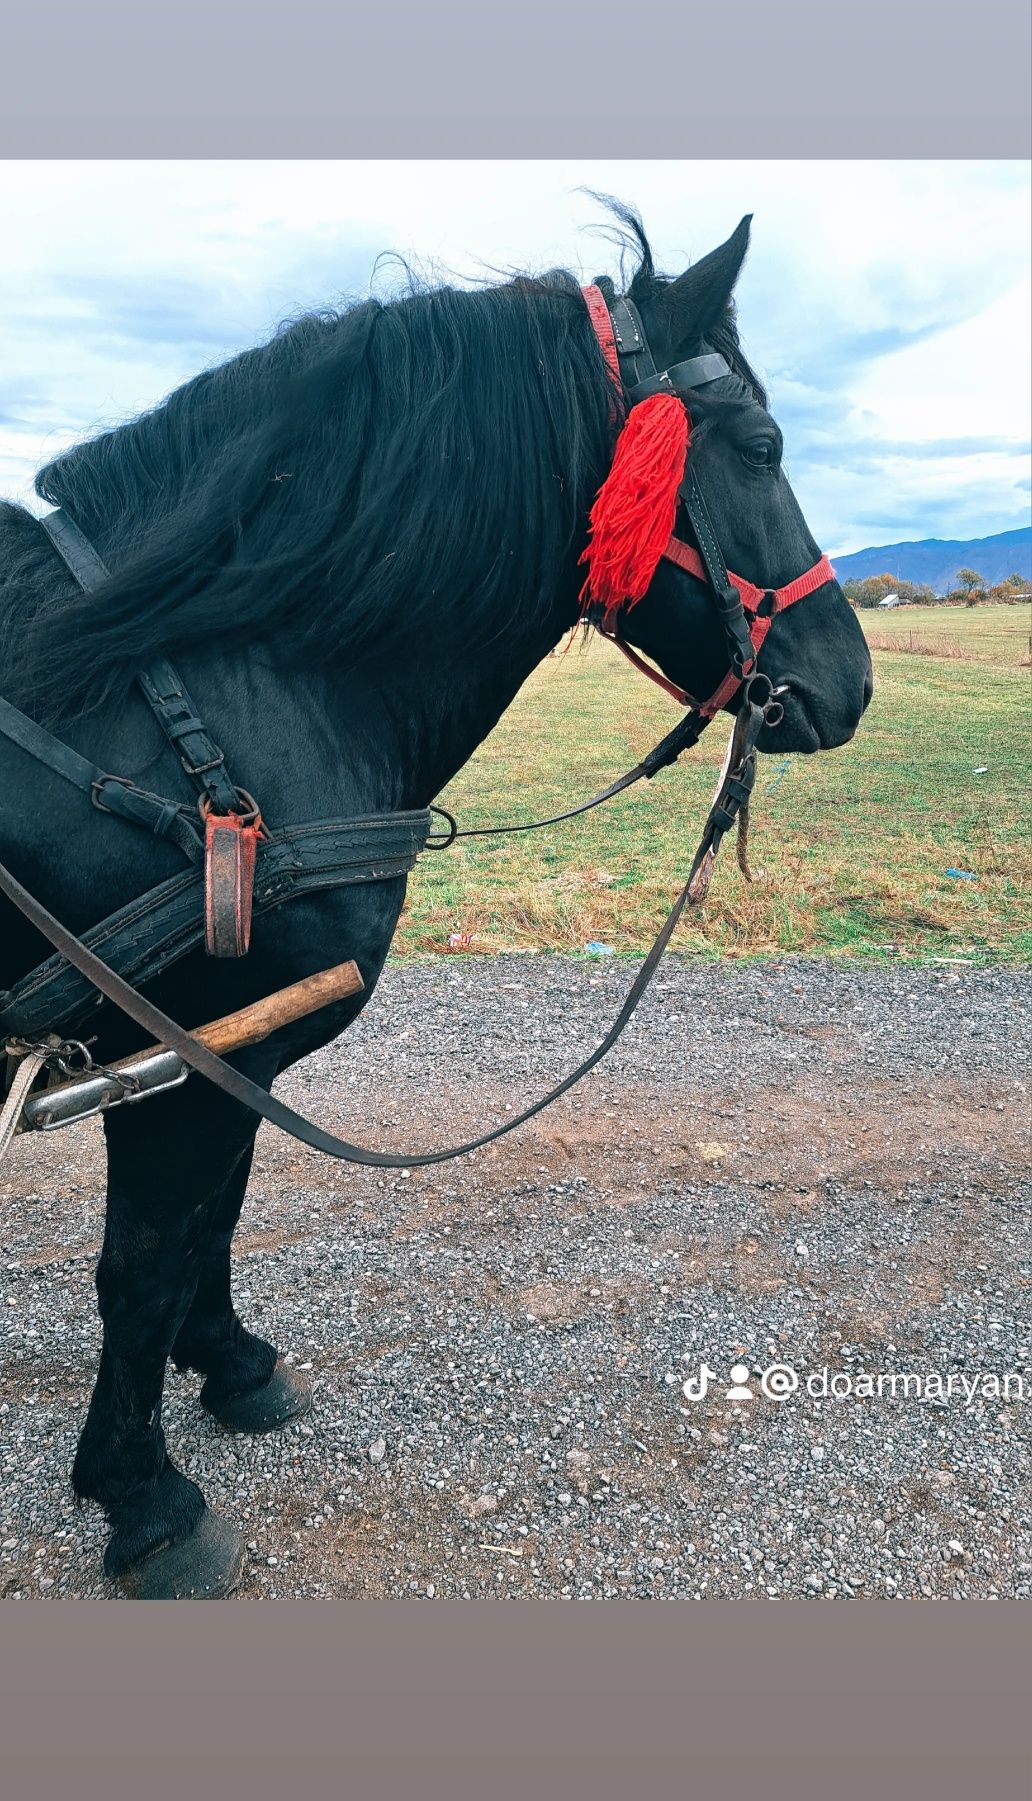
x=832, y=1174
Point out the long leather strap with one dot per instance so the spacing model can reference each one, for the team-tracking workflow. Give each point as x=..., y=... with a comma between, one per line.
x=165, y=1030
x=726, y=597
x=154, y=930
x=110, y=793
x=684, y=735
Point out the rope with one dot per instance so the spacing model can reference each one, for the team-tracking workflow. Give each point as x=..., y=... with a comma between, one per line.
x=26, y=1069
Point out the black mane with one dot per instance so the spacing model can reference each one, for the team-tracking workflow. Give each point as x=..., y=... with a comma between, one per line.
x=363, y=478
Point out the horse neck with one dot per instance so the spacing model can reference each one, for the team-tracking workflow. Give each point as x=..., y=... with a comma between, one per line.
x=334, y=742
x=439, y=714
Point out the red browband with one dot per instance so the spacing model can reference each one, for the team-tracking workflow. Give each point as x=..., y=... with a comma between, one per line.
x=774, y=600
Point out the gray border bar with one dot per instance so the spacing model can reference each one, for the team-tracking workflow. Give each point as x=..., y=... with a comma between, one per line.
x=716, y=1699
x=545, y=78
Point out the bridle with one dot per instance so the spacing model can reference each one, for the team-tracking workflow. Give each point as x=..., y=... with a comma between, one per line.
x=746, y=611
x=332, y=853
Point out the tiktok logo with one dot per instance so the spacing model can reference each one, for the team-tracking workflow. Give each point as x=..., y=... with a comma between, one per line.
x=694, y=1389
x=777, y=1382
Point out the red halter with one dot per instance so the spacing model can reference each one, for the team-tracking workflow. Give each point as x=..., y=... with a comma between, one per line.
x=771, y=600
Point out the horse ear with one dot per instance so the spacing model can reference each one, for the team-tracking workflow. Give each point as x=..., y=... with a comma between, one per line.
x=697, y=299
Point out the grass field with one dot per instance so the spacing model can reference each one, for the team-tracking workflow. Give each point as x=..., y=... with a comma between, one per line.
x=850, y=849
x=986, y=634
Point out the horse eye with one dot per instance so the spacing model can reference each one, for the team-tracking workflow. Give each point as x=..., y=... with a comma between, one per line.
x=761, y=455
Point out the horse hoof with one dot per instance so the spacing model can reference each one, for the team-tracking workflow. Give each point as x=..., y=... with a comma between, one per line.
x=284, y=1397
x=206, y=1566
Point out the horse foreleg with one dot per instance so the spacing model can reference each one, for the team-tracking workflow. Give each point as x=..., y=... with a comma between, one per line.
x=169, y=1163
x=247, y=1387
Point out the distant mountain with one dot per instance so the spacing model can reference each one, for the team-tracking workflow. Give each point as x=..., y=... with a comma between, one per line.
x=936, y=560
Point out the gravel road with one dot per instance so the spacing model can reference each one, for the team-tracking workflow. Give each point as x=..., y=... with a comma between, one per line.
x=818, y=1165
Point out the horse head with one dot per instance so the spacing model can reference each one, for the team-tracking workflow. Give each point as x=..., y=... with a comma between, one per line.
x=678, y=333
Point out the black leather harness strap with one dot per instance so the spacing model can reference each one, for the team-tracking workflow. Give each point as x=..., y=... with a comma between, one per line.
x=75, y=550
x=159, y=681
x=165, y=1031
x=726, y=597
x=637, y=364
x=694, y=372
x=109, y=793
x=200, y=756
x=148, y=934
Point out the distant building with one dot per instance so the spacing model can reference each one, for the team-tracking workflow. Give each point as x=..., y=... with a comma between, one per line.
x=891, y=600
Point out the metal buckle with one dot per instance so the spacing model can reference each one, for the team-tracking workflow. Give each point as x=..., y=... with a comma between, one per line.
x=249, y=811
x=95, y=788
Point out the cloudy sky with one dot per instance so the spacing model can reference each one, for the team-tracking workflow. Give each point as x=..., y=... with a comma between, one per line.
x=887, y=305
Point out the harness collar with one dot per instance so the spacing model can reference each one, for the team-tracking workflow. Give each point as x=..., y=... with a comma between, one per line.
x=747, y=611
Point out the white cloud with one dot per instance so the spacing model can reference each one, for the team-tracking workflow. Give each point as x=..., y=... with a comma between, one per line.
x=971, y=378
x=884, y=301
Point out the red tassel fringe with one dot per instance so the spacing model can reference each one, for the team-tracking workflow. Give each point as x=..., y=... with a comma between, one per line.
x=633, y=514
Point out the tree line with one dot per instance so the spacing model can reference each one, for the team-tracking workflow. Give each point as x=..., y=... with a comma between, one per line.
x=971, y=590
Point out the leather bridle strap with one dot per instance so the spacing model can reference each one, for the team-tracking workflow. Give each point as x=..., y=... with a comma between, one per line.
x=684, y=736
x=760, y=606
x=733, y=794
x=638, y=367
x=725, y=593
x=745, y=610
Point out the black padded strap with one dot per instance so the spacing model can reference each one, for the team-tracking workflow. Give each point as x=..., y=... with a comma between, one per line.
x=694, y=372
x=160, y=683
x=110, y=793
x=154, y=930
x=726, y=596
x=203, y=761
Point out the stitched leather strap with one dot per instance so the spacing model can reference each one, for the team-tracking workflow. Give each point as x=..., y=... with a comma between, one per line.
x=161, y=684
x=153, y=931
x=163, y=687
x=637, y=364
x=193, y=1053
x=109, y=793
x=694, y=372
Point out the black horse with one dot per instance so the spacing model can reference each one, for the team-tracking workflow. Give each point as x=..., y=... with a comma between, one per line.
x=357, y=541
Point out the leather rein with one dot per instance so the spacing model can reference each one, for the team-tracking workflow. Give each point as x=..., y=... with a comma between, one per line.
x=746, y=613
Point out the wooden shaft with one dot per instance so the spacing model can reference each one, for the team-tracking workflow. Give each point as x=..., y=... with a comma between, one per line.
x=251, y=1024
